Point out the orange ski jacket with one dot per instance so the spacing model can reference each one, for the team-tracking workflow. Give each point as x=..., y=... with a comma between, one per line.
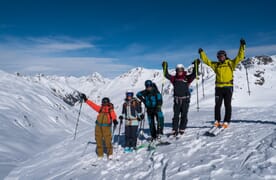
x=103, y=109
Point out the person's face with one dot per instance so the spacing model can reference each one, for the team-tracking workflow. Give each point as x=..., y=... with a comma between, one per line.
x=129, y=97
x=179, y=72
x=221, y=57
x=149, y=88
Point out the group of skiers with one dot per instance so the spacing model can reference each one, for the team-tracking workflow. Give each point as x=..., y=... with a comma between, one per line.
x=152, y=99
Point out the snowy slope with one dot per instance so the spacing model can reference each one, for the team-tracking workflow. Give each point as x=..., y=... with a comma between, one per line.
x=245, y=151
x=32, y=118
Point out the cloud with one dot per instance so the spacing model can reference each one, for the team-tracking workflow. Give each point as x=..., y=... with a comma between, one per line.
x=262, y=50
x=79, y=56
x=138, y=55
x=51, y=55
x=255, y=50
x=45, y=44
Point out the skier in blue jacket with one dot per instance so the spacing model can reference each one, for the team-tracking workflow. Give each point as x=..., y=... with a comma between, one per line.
x=152, y=99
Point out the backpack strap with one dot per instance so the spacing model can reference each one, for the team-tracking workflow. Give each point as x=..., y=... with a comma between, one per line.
x=110, y=108
x=229, y=64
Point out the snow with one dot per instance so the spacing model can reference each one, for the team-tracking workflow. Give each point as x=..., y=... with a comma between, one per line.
x=37, y=129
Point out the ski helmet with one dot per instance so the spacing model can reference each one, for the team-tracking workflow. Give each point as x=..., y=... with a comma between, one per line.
x=148, y=83
x=179, y=67
x=129, y=93
x=105, y=100
x=221, y=52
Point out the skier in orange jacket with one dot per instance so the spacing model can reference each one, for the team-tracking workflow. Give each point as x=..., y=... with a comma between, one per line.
x=104, y=121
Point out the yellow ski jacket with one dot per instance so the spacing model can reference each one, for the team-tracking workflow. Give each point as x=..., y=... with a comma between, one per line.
x=224, y=70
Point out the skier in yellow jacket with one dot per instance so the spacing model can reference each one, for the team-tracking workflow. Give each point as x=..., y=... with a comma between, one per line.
x=224, y=70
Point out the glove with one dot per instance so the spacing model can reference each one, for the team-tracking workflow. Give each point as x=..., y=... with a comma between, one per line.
x=196, y=62
x=164, y=64
x=142, y=116
x=121, y=117
x=242, y=41
x=83, y=97
x=200, y=50
x=115, y=122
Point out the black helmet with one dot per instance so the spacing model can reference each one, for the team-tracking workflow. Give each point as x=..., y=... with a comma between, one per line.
x=148, y=83
x=221, y=52
x=105, y=100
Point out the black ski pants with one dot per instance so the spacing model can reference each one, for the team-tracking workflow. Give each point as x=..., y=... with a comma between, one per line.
x=180, y=107
x=223, y=94
x=158, y=115
x=131, y=136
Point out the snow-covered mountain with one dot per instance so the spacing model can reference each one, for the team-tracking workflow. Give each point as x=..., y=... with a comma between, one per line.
x=38, y=116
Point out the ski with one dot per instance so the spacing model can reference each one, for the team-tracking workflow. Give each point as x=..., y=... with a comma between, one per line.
x=161, y=142
x=171, y=136
x=214, y=131
x=141, y=146
x=151, y=146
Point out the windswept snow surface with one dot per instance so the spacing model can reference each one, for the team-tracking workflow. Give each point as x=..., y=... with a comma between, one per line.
x=42, y=146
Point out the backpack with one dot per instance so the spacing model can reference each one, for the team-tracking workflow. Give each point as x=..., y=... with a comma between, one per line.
x=104, y=118
x=134, y=102
x=155, y=87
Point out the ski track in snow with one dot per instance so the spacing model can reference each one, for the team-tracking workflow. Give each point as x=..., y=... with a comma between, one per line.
x=240, y=152
x=46, y=150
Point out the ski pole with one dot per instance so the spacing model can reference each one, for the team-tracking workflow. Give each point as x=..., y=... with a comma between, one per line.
x=202, y=81
x=113, y=133
x=141, y=130
x=143, y=122
x=87, y=144
x=248, y=87
x=120, y=125
x=163, y=81
x=77, y=124
x=117, y=146
x=197, y=101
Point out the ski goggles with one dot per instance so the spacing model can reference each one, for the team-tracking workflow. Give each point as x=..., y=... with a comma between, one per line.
x=148, y=85
x=105, y=101
x=129, y=94
x=221, y=55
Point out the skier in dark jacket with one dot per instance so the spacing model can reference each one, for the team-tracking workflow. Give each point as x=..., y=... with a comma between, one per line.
x=132, y=113
x=152, y=99
x=181, y=82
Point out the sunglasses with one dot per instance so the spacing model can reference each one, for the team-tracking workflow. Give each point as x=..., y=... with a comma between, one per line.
x=105, y=102
x=221, y=55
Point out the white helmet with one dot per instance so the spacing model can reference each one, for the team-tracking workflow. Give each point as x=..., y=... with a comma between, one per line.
x=179, y=67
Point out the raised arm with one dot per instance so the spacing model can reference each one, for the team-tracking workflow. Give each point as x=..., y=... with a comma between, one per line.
x=206, y=60
x=240, y=55
x=93, y=105
x=165, y=70
x=192, y=76
x=90, y=103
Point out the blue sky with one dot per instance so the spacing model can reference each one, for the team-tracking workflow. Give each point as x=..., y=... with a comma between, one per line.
x=79, y=37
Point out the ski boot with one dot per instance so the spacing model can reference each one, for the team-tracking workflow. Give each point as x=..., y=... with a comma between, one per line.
x=225, y=125
x=217, y=124
x=127, y=150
